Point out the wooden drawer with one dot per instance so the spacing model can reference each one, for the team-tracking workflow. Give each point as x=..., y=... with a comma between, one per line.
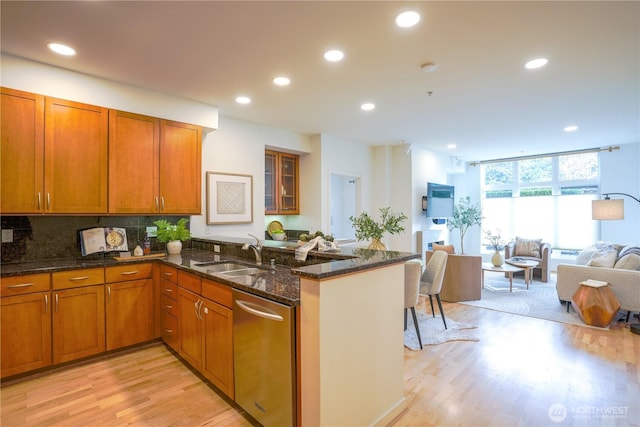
x=217, y=292
x=77, y=278
x=124, y=273
x=189, y=281
x=169, y=305
x=169, y=273
x=169, y=289
x=26, y=284
x=169, y=329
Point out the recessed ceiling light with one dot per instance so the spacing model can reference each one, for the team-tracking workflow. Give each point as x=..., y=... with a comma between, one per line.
x=571, y=128
x=61, y=49
x=243, y=99
x=334, y=55
x=281, y=81
x=368, y=106
x=536, y=63
x=407, y=19
x=451, y=146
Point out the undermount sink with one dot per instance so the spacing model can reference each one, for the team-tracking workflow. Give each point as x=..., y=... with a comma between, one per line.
x=220, y=266
x=251, y=271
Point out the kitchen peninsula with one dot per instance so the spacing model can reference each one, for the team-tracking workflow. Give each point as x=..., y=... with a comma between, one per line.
x=348, y=311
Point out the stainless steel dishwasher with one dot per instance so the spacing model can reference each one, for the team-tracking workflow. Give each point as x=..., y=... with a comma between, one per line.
x=263, y=353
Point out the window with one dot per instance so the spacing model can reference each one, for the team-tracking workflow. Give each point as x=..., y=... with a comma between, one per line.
x=546, y=197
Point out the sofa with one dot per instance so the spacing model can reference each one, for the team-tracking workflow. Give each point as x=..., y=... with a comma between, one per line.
x=462, y=277
x=618, y=265
x=531, y=249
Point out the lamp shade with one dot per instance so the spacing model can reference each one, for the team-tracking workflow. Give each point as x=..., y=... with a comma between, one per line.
x=607, y=209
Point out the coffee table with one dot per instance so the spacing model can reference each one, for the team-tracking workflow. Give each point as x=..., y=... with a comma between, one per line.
x=527, y=264
x=507, y=269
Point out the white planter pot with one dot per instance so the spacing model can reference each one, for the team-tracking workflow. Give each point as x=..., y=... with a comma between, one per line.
x=174, y=247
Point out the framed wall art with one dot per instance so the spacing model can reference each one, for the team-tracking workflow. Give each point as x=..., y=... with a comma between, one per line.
x=229, y=198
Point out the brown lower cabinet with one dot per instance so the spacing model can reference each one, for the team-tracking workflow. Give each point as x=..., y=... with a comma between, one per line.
x=25, y=325
x=129, y=310
x=78, y=323
x=205, y=330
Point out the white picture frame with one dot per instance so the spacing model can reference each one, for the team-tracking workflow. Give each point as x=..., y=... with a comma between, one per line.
x=229, y=198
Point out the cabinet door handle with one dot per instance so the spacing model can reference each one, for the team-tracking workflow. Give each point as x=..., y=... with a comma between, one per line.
x=75, y=279
x=48, y=201
x=162, y=203
x=20, y=285
x=56, y=303
x=128, y=273
x=157, y=207
x=39, y=201
x=195, y=308
x=108, y=294
x=46, y=303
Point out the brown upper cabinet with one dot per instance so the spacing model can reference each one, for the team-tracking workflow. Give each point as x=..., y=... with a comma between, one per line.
x=64, y=157
x=281, y=176
x=54, y=155
x=22, y=152
x=154, y=165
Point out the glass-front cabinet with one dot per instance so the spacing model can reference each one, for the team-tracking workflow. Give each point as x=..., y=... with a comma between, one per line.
x=281, y=178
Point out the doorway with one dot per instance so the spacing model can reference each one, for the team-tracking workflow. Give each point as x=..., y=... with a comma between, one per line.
x=344, y=201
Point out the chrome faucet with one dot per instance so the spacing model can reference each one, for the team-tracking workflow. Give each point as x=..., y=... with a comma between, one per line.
x=257, y=249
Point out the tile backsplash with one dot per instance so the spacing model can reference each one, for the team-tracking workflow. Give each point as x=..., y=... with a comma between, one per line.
x=56, y=237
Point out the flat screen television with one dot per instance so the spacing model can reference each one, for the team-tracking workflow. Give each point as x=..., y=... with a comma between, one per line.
x=440, y=200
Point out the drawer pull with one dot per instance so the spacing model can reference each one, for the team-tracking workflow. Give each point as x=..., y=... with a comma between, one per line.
x=168, y=307
x=169, y=331
x=129, y=273
x=75, y=279
x=167, y=274
x=168, y=290
x=21, y=285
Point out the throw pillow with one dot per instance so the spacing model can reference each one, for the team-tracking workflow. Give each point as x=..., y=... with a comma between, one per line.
x=629, y=250
x=585, y=255
x=628, y=262
x=528, y=247
x=603, y=259
x=447, y=248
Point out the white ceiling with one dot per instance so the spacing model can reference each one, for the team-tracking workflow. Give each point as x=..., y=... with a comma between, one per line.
x=482, y=98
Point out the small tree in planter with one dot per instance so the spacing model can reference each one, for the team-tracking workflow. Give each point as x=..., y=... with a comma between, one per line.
x=465, y=215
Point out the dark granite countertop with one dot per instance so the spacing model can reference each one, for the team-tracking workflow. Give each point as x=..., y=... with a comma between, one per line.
x=281, y=283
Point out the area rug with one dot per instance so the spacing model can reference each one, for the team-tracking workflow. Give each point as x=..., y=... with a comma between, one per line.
x=432, y=331
x=540, y=300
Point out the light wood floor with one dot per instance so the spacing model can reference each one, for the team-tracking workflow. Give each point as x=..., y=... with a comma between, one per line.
x=520, y=368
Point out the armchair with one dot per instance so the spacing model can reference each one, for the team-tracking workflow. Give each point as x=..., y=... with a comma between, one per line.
x=535, y=250
x=462, y=278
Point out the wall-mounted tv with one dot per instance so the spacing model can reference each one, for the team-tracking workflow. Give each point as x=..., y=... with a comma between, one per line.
x=440, y=200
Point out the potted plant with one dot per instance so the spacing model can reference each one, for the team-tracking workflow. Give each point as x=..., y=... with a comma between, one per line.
x=465, y=215
x=173, y=234
x=278, y=235
x=367, y=228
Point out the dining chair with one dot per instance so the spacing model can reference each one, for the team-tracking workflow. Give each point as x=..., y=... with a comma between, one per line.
x=432, y=278
x=412, y=273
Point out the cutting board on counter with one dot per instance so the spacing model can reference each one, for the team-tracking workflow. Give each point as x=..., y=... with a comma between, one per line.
x=136, y=258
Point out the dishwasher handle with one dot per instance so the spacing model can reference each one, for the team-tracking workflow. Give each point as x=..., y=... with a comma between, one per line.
x=247, y=307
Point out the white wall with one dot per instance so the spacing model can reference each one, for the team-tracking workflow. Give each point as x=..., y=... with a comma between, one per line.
x=620, y=173
x=238, y=147
x=35, y=77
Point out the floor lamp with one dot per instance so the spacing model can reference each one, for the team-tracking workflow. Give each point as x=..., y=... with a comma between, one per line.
x=608, y=209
